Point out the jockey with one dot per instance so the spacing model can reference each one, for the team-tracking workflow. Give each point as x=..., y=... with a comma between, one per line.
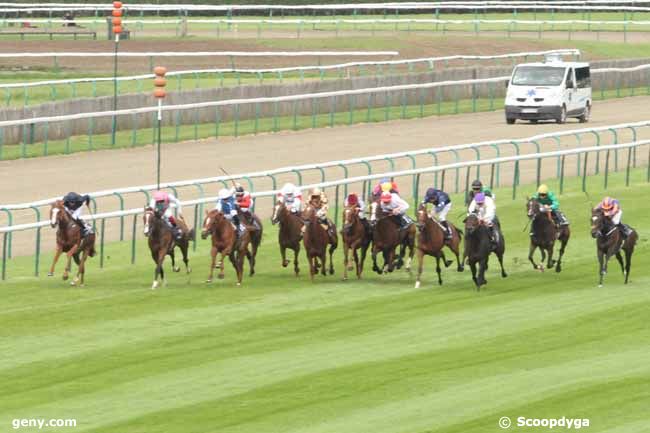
x=160, y=202
x=353, y=200
x=244, y=203
x=73, y=204
x=483, y=206
x=291, y=196
x=612, y=208
x=442, y=205
x=226, y=205
x=384, y=185
x=318, y=200
x=548, y=199
x=477, y=186
x=393, y=203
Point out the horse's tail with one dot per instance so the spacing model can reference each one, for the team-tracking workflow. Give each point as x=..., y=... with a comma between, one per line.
x=191, y=235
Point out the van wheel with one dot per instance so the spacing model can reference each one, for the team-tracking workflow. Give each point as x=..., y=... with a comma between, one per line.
x=586, y=114
x=510, y=120
x=534, y=121
x=562, y=119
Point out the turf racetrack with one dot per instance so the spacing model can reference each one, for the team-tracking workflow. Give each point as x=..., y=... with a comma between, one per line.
x=281, y=354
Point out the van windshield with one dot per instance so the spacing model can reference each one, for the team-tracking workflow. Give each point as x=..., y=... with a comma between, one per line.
x=538, y=76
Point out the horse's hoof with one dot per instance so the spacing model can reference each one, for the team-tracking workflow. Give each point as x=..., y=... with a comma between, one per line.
x=461, y=269
x=600, y=285
x=504, y=275
x=350, y=268
x=417, y=284
x=189, y=270
x=558, y=269
x=65, y=277
x=73, y=283
x=540, y=268
x=208, y=281
x=50, y=274
x=177, y=269
x=285, y=263
x=220, y=276
x=238, y=284
x=154, y=285
x=331, y=271
x=448, y=263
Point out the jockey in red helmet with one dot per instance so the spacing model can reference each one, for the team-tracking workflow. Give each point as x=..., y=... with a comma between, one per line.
x=160, y=202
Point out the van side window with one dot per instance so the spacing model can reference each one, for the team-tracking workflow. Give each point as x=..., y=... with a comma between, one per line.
x=569, y=79
x=583, y=77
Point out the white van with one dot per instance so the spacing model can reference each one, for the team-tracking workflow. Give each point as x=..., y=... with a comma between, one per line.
x=551, y=90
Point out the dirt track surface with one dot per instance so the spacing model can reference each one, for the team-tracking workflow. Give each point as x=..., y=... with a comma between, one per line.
x=34, y=179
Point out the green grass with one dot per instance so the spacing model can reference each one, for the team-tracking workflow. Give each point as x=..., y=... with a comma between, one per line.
x=174, y=134
x=281, y=354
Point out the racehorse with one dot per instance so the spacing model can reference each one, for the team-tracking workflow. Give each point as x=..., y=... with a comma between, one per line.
x=544, y=235
x=431, y=240
x=316, y=239
x=255, y=230
x=355, y=238
x=162, y=242
x=70, y=241
x=478, y=248
x=610, y=242
x=386, y=236
x=290, y=233
x=226, y=243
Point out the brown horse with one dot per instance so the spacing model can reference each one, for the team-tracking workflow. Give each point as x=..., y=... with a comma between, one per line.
x=386, y=237
x=162, y=242
x=431, y=241
x=255, y=229
x=355, y=237
x=610, y=243
x=544, y=233
x=478, y=248
x=316, y=239
x=70, y=241
x=290, y=233
x=226, y=243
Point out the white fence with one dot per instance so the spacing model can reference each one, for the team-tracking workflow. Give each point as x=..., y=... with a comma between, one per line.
x=288, y=98
x=358, y=179
x=429, y=60
x=207, y=54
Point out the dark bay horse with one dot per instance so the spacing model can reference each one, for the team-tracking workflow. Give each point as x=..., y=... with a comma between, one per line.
x=162, y=242
x=386, y=237
x=609, y=242
x=431, y=241
x=225, y=242
x=355, y=237
x=544, y=235
x=70, y=241
x=255, y=229
x=290, y=233
x=478, y=249
x=316, y=241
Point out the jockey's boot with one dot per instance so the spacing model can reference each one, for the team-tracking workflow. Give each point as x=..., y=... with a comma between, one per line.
x=448, y=234
x=178, y=233
x=86, y=229
x=367, y=227
x=562, y=219
x=494, y=237
x=239, y=227
x=626, y=230
x=405, y=222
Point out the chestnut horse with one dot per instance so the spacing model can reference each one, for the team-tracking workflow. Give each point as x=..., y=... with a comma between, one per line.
x=226, y=243
x=316, y=239
x=290, y=233
x=162, y=243
x=355, y=238
x=70, y=241
x=544, y=235
x=610, y=243
x=386, y=237
x=431, y=241
x=478, y=248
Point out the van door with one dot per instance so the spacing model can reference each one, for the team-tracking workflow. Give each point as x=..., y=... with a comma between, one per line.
x=570, y=93
x=583, y=84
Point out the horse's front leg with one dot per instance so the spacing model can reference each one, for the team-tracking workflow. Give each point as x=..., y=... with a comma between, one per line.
x=213, y=253
x=222, y=266
x=296, y=268
x=364, y=251
x=374, y=260
x=531, y=257
x=331, y=252
x=602, y=266
x=68, y=264
x=57, y=254
x=500, y=257
x=346, y=260
x=237, y=260
x=323, y=259
x=558, y=264
x=174, y=267
x=184, y=251
x=482, y=267
x=283, y=253
x=619, y=258
x=420, y=268
x=551, y=262
x=81, y=270
x=438, y=270
x=472, y=267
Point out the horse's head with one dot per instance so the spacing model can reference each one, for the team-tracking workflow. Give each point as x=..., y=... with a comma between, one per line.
x=309, y=214
x=57, y=213
x=147, y=219
x=374, y=207
x=422, y=215
x=599, y=222
x=211, y=221
x=350, y=216
x=279, y=208
x=472, y=223
x=535, y=208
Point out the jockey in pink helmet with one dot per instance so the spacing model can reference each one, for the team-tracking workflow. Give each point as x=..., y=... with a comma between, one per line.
x=160, y=202
x=612, y=209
